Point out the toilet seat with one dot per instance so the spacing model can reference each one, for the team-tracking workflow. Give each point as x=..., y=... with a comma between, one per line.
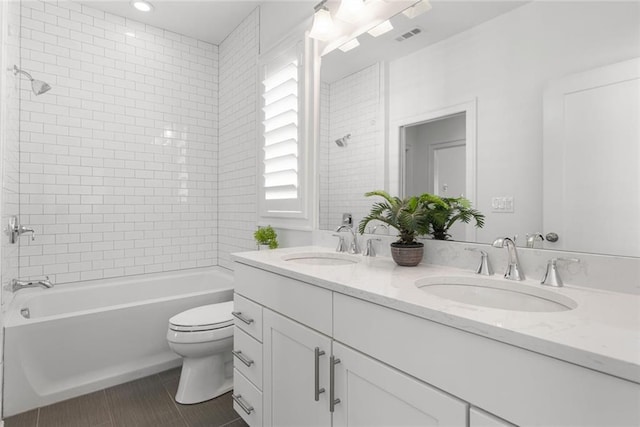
x=205, y=318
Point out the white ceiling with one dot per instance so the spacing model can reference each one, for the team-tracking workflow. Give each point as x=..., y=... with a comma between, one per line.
x=212, y=20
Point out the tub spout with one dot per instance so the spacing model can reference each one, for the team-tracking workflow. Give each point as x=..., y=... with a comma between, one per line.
x=16, y=284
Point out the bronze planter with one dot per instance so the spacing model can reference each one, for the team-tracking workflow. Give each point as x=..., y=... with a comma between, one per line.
x=407, y=255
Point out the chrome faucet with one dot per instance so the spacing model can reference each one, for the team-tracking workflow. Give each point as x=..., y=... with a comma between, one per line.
x=375, y=227
x=551, y=276
x=353, y=246
x=369, y=249
x=14, y=230
x=340, y=247
x=513, y=265
x=533, y=238
x=16, y=284
x=483, y=268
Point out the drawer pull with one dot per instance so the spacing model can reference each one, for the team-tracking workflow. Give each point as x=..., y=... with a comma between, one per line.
x=238, y=315
x=333, y=361
x=242, y=358
x=316, y=389
x=248, y=409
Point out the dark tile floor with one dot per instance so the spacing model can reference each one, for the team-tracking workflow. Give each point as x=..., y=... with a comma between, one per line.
x=147, y=402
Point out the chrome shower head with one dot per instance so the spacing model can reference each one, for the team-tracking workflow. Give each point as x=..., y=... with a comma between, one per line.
x=342, y=142
x=38, y=86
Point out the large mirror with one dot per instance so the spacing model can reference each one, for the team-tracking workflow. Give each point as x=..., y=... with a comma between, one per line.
x=546, y=150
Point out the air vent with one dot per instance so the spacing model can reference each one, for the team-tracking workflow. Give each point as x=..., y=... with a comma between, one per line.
x=409, y=34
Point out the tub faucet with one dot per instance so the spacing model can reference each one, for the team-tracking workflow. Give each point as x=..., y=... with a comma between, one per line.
x=353, y=247
x=533, y=238
x=16, y=284
x=513, y=265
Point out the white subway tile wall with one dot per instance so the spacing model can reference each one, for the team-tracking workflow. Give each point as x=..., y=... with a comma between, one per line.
x=237, y=186
x=354, y=108
x=118, y=161
x=9, y=152
x=323, y=158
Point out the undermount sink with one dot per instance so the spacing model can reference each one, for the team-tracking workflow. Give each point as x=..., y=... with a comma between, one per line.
x=322, y=258
x=495, y=293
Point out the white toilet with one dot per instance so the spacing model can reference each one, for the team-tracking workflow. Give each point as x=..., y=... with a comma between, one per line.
x=203, y=336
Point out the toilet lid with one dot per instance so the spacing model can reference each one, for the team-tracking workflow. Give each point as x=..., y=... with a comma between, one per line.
x=204, y=318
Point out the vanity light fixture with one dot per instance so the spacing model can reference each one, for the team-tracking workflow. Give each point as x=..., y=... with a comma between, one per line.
x=351, y=44
x=381, y=28
x=322, y=23
x=350, y=10
x=419, y=8
x=142, y=5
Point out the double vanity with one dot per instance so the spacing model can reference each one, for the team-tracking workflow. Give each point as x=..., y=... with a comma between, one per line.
x=325, y=338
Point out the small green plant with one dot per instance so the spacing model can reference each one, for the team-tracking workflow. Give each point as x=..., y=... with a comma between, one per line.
x=443, y=212
x=409, y=216
x=266, y=236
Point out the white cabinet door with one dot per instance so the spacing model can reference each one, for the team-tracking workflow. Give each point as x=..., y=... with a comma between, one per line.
x=373, y=394
x=289, y=357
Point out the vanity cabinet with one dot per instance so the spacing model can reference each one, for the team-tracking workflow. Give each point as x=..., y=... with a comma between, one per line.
x=393, y=368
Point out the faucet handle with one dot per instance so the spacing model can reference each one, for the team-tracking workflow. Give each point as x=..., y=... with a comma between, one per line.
x=551, y=276
x=369, y=250
x=340, y=247
x=483, y=268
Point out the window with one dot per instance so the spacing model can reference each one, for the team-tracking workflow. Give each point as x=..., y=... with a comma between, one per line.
x=284, y=161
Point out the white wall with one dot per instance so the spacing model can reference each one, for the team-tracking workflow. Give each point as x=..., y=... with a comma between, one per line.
x=237, y=202
x=9, y=136
x=505, y=64
x=118, y=160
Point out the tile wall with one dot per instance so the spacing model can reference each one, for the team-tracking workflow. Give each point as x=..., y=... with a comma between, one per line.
x=237, y=201
x=354, y=108
x=323, y=157
x=118, y=160
x=9, y=134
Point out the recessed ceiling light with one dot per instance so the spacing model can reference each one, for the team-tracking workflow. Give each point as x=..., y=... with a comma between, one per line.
x=351, y=44
x=142, y=5
x=380, y=29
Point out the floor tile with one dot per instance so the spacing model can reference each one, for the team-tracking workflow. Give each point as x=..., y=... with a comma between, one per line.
x=239, y=422
x=143, y=403
x=170, y=375
x=26, y=419
x=214, y=412
x=84, y=411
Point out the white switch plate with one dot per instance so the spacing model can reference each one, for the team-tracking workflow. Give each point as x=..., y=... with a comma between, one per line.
x=502, y=204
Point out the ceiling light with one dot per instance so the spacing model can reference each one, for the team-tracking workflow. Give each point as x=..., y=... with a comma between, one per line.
x=352, y=44
x=417, y=9
x=322, y=23
x=142, y=5
x=350, y=10
x=380, y=29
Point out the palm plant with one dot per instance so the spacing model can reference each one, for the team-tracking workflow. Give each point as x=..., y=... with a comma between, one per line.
x=409, y=216
x=443, y=212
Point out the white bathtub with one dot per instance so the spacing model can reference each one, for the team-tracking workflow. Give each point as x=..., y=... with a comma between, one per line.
x=83, y=337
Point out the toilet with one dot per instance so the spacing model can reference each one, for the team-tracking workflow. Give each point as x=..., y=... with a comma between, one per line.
x=203, y=336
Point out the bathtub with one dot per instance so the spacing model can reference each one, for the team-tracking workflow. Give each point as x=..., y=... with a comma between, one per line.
x=83, y=337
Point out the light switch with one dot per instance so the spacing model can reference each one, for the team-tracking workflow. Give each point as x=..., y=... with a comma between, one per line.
x=502, y=204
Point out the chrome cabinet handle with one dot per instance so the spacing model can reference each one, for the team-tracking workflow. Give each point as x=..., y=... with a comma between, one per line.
x=248, y=409
x=248, y=362
x=316, y=389
x=333, y=361
x=238, y=315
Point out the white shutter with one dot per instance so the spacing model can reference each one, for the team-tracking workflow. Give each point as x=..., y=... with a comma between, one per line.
x=280, y=157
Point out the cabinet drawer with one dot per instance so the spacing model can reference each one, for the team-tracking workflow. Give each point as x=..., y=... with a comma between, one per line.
x=247, y=400
x=247, y=356
x=247, y=316
x=307, y=304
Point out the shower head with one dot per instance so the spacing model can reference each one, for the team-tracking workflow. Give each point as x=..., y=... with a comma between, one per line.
x=342, y=142
x=38, y=86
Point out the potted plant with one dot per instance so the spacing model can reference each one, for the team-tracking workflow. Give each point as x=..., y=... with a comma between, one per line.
x=266, y=237
x=443, y=212
x=409, y=216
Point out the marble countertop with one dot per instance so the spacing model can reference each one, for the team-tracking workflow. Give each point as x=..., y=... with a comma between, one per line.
x=601, y=333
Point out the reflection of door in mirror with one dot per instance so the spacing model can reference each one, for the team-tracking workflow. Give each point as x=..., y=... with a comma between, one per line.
x=591, y=158
x=435, y=160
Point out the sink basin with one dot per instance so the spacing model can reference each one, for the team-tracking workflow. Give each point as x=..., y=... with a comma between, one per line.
x=495, y=293
x=322, y=258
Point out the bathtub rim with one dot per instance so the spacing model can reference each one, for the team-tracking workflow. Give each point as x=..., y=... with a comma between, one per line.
x=13, y=318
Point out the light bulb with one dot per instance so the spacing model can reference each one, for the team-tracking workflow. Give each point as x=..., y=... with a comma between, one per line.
x=142, y=6
x=322, y=25
x=350, y=10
